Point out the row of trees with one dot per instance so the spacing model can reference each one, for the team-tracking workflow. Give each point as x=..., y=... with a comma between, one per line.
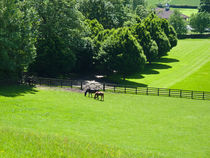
x=53, y=38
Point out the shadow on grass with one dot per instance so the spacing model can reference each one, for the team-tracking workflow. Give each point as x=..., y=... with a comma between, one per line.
x=117, y=79
x=16, y=90
x=167, y=60
x=149, y=69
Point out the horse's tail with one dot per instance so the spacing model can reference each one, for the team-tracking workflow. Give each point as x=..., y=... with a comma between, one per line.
x=85, y=93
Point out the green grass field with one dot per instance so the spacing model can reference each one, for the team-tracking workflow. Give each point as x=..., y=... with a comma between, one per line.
x=176, y=2
x=187, y=58
x=46, y=122
x=187, y=12
x=198, y=80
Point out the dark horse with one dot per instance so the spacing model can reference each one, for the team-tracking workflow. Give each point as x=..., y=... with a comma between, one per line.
x=97, y=94
x=90, y=91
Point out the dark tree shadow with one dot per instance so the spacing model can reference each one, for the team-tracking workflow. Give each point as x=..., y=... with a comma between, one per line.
x=149, y=69
x=130, y=83
x=167, y=60
x=16, y=90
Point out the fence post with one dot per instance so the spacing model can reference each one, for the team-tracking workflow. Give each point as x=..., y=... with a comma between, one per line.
x=61, y=83
x=192, y=94
x=158, y=91
x=125, y=89
x=104, y=88
x=136, y=90
x=203, y=96
x=114, y=88
x=169, y=93
x=81, y=85
x=71, y=84
x=180, y=93
x=147, y=91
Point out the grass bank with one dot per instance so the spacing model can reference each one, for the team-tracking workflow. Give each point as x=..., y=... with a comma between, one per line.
x=187, y=58
x=44, y=122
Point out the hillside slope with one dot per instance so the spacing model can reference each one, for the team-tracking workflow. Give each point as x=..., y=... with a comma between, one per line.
x=183, y=60
x=48, y=123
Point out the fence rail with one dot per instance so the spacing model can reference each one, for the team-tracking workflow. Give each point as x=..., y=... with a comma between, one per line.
x=116, y=88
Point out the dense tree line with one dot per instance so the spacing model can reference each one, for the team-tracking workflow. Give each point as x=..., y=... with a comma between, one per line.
x=55, y=38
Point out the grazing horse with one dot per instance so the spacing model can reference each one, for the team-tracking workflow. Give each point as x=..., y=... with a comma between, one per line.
x=97, y=94
x=90, y=91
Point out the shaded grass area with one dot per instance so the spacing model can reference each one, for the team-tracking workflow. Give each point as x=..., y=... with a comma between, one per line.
x=183, y=60
x=64, y=123
x=16, y=90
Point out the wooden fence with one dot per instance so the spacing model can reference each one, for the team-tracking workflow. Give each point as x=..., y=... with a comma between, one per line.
x=82, y=85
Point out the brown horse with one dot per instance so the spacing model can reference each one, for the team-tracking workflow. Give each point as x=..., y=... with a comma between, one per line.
x=97, y=94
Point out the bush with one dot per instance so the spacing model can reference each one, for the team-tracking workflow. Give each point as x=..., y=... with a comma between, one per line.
x=121, y=52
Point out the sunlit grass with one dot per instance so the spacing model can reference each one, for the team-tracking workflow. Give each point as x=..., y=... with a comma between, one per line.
x=183, y=60
x=199, y=80
x=187, y=12
x=46, y=122
x=176, y=2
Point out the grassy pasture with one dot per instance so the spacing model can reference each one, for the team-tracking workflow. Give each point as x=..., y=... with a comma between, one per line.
x=187, y=12
x=185, y=2
x=176, y=2
x=199, y=80
x=188, y=57
x=46, y=122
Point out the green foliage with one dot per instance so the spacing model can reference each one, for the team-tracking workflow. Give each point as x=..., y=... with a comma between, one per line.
x=121, y=52
x=17, y=38
x=178, y=23
x=141, y=11
x=59, y=37
x=154, y=26
x=135, y=3
x=169, y=31
x=109, y=13
x=95, y=27
x=200, y=21
x=149, y=46
x=204, y=6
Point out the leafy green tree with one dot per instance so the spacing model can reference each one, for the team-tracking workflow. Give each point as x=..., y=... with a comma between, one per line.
x=169, y=31
x=94, y=26
x=121, y=52
x=200, y=21
x=141, y=11
x=17, y=38
x=204, y=6
x=149, y=46
x=109, y=13
x=153, y=25
x=138, y=2
x=59, y=37
x=178, y=23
